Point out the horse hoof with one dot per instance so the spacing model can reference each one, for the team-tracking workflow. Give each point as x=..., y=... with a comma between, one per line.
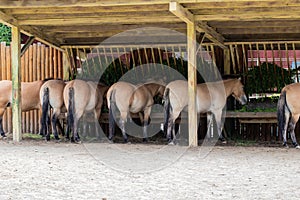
x=285, y=145
x=58, y=140
x=3, y=137
x=171, y=143
x=297, y=147
x=145, y=140
x=110, y=141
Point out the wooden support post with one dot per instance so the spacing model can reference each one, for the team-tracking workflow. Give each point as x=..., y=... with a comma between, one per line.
x=192, y=84
x=16, y=83
x=66, y=66
x=188, y=17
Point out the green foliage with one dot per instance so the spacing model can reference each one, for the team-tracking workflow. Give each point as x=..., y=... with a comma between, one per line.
x=5, y=34
x=99, y=69
x=109, y=71
x=181, y=66
x=267, y=78
x=263, y=104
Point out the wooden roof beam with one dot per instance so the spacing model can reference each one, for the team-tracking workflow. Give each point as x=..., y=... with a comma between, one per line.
x=99, y=20
x=30, y=31
x=90, y=3
x=188, y=17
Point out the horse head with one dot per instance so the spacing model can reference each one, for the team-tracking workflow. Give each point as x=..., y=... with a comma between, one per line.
x=238, y=91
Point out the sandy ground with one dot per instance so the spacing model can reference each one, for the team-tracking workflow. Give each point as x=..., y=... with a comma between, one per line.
x=40, y=170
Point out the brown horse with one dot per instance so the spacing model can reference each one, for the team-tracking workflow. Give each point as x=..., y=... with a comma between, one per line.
x=51, y=95
x=288, y=111
x=29, y=97
x=211, y=98
x=129, y=98
x=82, y=97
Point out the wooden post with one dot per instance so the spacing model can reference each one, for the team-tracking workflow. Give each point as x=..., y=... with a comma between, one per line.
x=66, y=66
x=188, y=17
x=192, y=84
x=16, y=83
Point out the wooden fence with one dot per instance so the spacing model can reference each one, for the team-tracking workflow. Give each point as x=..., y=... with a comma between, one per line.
x=39, y=62
x=238, y=60
x=245, y=57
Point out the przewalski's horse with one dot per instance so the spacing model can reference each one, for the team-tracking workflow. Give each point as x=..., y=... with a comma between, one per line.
x=211, y=98
x=129, y=98
x=288, y=111
x=81, y=97
x=51, y=95
x=30, y=99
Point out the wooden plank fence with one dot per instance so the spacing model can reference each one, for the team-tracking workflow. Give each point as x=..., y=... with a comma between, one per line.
x=39, y=62
x=240, y=58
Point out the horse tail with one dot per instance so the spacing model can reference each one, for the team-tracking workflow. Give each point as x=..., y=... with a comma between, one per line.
x=112, y=111
x=45, y=110
x=281, y=106
x=167, y=109
x=71, y=110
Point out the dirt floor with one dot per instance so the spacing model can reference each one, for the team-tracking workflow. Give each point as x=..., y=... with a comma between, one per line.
x=35, y=169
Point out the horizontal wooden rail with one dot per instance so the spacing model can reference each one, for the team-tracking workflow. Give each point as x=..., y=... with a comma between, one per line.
x=244, y=117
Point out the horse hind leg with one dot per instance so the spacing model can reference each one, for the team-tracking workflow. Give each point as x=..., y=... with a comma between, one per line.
x=171, y=131
x=219, y=122
x=284, y=131
x=123, y=118
x=54, y=120
x=1, y=128
x=2, y=110
x=122, y=127
x=292, y=126
x=146, y=123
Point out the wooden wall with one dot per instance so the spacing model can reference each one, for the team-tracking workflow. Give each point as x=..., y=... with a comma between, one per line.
x=39, y=62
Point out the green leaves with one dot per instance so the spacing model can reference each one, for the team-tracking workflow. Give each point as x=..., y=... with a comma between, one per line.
x=267, y=78
x=5, y=34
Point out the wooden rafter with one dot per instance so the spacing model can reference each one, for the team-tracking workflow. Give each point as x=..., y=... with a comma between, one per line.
x=248, y=16
x=188, y=17
x=91, y=3
x=30, y=31
x=99, y=20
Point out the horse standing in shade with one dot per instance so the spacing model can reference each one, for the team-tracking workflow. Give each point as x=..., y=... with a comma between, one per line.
x=211, y=98
x=288, y=112
x=29, y=97
x=129, y=98
x=51, y=95
x=81, y=97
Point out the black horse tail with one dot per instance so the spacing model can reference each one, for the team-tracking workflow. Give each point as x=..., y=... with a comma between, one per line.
x=281, y=106
x=112, y=111
x=167, y=109
x=71, y=110
x=45, y=110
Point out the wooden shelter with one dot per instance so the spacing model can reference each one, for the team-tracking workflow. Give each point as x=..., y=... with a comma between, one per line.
x=62, y=23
